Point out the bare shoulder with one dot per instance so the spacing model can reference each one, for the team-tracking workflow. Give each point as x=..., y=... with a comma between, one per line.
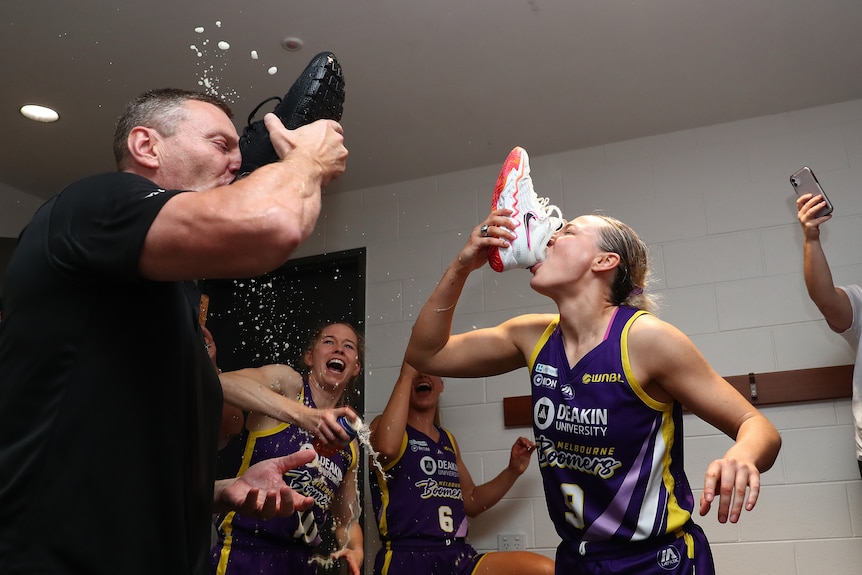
x=648, y=331
x=532, y=319
x=669, y=365
x=525, y=330
x=657, y=347
x=278, y=377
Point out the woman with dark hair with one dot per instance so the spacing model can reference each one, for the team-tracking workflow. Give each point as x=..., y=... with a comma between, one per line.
x=609, y=380
x=286, y=545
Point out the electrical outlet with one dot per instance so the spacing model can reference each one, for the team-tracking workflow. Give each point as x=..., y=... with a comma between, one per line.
x=511, y=542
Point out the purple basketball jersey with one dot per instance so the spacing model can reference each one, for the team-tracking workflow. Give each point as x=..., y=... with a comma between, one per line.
x=610, y=456
x=319, y=479
x=422, y=497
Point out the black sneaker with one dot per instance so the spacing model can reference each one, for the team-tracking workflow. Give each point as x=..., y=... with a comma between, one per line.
x=317, y=94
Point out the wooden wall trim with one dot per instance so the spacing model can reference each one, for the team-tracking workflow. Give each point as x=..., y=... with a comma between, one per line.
x=518, y=411
x=776, y=387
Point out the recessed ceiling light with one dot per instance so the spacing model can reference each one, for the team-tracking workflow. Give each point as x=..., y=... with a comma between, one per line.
x=292, y=44
x=39, y=113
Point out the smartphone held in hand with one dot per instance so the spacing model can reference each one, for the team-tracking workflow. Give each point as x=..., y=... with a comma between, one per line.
x=805, y=182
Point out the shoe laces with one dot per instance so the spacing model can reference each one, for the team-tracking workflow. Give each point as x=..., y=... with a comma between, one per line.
x=549, y=208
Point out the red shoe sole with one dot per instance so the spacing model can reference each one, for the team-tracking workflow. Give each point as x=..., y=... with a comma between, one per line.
x=513, y=162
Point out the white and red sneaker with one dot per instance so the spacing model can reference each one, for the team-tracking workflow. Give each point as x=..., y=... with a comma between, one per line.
x=535, y=220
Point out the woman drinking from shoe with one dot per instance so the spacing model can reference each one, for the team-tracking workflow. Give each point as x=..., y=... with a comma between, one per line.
x=608, y=383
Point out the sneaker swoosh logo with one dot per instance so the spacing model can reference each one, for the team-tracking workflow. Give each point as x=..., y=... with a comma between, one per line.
x=527, y=217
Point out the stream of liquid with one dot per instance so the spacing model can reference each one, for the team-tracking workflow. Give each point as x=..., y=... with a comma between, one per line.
x=363, y=436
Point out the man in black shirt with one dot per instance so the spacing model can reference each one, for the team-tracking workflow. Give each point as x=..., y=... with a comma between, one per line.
x=109, y=404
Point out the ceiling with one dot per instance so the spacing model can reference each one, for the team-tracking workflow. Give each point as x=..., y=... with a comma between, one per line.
x=433, y=86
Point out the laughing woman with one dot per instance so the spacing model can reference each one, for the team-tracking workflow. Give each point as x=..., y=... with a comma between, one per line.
x=286, y=545
x=424, y=530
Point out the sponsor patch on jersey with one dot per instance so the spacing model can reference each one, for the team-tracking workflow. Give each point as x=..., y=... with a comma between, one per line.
x=546, y=369
x=428, y=465
x=543, y=413
x=418, y=445
x=540, y=380
x=329, y=469
x=602, y=378
x=668, y=558
x=567, y=391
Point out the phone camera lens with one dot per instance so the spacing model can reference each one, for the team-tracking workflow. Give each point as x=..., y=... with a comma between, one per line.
x=794, y=182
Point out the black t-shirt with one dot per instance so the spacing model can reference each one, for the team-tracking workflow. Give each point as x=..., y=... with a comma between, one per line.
x=109, y=405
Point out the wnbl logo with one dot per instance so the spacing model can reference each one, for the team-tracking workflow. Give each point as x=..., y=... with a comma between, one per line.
x=668, y=558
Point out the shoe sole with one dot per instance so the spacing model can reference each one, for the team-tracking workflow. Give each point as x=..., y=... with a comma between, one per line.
x=514, y=161
x=317, y=94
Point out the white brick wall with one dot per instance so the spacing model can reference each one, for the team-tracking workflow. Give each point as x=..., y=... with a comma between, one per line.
x=716, y=208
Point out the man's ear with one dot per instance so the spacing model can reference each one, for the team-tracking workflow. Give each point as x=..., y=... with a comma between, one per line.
x=142, y=143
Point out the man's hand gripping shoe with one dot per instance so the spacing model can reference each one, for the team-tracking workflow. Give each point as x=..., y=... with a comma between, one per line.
x=317, y=94
x=535, y=220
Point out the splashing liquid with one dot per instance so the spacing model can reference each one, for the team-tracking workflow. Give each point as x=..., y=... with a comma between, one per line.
x=362, y=433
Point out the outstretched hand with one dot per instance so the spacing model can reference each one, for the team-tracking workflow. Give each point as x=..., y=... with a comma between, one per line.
x=729, y=478
x=261, y=491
